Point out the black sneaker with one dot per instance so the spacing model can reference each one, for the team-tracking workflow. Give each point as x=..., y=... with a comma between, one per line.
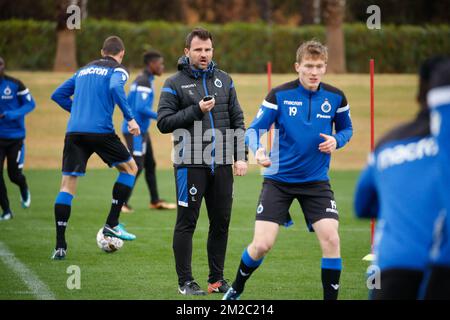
x=59, y=254
x=191, y=288
x=6, y=216
x=220, y=286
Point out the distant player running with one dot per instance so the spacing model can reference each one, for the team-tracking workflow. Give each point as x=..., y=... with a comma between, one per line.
x=95, y=88
x=304, y=112
x=15, y=102
x=140, y=99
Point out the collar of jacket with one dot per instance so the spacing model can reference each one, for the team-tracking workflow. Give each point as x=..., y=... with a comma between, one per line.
x=305, y=91
x=109, y=58
x=150, y=76
x=185, y=66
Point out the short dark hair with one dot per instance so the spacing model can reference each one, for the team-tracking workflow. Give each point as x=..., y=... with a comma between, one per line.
x=201, y=33
x=426, y=70
x=151, y=55
x=113, y=45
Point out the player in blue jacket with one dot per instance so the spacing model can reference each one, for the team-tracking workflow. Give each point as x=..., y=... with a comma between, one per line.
x=15, y=102
x=140, y=100
x=304, y=112
x=95, y=88
x=439, y=101
x=399, y=187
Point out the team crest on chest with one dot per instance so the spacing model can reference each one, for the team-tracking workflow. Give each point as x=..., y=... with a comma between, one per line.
x=326, y=106
x=218, y=83
x=7, y=91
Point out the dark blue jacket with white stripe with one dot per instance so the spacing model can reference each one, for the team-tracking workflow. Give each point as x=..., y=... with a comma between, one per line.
x=15, y=102
x=399, y=187
x=195, y=144
x=95, y=88
x=299, y=117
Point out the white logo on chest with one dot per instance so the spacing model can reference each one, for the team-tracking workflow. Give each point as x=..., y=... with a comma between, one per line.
x=218, y=83
x=7, y=93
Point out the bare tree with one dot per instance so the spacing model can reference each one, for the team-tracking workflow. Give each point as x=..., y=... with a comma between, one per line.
x=334, y=11
x=66, y=47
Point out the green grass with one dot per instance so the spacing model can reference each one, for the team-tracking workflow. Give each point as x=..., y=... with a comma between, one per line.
x=144, y=269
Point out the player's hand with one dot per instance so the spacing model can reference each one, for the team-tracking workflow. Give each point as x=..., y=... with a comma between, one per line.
x=133, y=128
x=240, y=168
x=329, y=145
x=262, y=159
x=206, y=106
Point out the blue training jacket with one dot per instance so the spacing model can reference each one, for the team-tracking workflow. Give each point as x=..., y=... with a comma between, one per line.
x=140, y=99
x=399, y=187
x=15, y=102
x=300, y=116
x=439, y=102
x=95, y=88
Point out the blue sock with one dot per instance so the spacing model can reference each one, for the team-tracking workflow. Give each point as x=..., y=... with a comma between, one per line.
x=247, y=266
x=126, y=179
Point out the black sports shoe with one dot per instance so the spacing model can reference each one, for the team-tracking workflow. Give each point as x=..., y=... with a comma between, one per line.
x=59, y=254
x=191, y=288
x=6, y=216
x=220, y=286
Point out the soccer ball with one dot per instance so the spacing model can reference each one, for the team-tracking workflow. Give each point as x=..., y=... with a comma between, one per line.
x=108, y=244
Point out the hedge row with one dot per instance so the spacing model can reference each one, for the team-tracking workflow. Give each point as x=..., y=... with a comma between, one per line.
x=239, y=47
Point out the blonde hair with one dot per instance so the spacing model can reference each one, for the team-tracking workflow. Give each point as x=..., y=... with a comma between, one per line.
x=312, y=48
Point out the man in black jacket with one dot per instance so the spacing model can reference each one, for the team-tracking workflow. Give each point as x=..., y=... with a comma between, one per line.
x=199, y=106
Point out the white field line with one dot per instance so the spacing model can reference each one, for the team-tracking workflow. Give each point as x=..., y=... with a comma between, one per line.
x=39, y=289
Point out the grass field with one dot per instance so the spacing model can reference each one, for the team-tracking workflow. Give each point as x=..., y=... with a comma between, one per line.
x=144, y=269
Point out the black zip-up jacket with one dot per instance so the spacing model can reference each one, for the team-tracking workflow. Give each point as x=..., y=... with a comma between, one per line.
x=179, y=113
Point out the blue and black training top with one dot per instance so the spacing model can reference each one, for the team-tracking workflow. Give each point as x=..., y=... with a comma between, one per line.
x=140, y=99
x=96, y=89
x=15, y=102
x=300, y=116
x=399, y=186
